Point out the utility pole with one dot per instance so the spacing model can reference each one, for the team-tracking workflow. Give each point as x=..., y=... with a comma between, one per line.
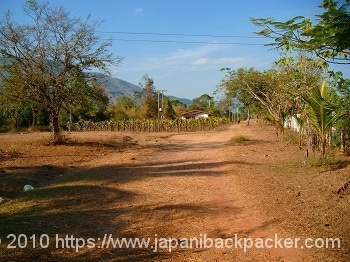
x=160, y=102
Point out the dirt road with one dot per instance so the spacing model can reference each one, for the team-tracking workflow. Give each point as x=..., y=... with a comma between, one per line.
x=175, y=189
x=185, y=187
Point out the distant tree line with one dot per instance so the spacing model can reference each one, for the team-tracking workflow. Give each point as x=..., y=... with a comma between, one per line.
x=149, y=104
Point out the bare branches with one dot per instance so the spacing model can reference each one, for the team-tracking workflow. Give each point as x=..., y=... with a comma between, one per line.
x=47, y=59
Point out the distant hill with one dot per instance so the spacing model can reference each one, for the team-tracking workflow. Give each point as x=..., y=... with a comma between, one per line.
x=117, y=87
x=182, y=100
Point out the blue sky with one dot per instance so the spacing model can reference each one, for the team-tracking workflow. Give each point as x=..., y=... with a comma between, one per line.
x=165, y=39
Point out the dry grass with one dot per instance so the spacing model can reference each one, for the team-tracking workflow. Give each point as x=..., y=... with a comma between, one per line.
x=173, y=185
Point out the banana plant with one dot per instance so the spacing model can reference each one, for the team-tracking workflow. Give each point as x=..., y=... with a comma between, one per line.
x=322, y=113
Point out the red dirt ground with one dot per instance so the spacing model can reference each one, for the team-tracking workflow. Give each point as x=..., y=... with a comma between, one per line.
x=171, y=185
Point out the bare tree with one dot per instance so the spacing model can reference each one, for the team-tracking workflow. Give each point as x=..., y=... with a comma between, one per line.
x=48, y=59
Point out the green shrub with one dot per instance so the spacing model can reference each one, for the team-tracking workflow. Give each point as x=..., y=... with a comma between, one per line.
x=291, y=137
x=239, y=139
x=330, y=162
x=12, y=152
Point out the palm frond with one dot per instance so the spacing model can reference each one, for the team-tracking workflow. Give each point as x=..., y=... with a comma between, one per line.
x=323, y=113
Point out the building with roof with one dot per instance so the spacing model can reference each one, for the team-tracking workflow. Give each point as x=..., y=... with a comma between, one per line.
x=195, y=114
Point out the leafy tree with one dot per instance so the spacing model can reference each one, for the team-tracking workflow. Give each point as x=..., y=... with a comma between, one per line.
x=18, y=114
x=277, y=91
x=329, y=38
x=124, y=108
x=343, y=125
x=205, y=102
x=243, y=96
x=169, y=112
x=178, y=107
x=89, y=107
x=300, y=75
x=323, y=113
x=265, y=87
x=47, y=60
x=149, y=102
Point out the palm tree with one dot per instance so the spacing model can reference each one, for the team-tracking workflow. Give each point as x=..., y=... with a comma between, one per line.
x=322, y=112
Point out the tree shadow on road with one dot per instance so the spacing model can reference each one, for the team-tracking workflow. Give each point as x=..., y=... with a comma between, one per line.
x=89, y=202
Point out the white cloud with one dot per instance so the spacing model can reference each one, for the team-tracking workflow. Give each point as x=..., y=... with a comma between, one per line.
x=203, y=58
x=229, y=60
x=216, y=62
x=200, y=61
x=139, y=10
x=183, y=58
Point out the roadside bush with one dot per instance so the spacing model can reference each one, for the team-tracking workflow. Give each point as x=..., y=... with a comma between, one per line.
x=240, y=139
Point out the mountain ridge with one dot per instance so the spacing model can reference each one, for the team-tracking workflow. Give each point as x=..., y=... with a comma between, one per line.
x=117, y=87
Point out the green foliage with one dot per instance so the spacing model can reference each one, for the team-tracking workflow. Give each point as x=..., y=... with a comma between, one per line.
x=329, y=38
x=12, y=152
x=18, y=115
x=291, y=137
x=266, y=88
x=178, y=107
x=343, y=125
x=124, y=108
x=205, y=102
x=331, y=162
x=149, y=100
x=277, y=93
x=154, y=104
x=169, y=112
x=45, y=60
x=240, y=139
x=322, y=112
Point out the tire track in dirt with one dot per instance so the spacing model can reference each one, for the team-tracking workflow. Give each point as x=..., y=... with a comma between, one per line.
x=186, y=187
x=230, y=213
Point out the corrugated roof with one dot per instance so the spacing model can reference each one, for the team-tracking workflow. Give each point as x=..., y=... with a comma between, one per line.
x=193, y=113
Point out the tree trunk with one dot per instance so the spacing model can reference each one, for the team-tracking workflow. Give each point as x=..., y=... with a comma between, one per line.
x=279, y=127
x=345, y=146
x=33, y=112
x=248, y=117
x=55, y=129
x=323, y=144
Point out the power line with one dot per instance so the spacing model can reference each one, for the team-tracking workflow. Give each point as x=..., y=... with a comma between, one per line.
x=177, y=34
x=181, y=35
x=181, y=42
